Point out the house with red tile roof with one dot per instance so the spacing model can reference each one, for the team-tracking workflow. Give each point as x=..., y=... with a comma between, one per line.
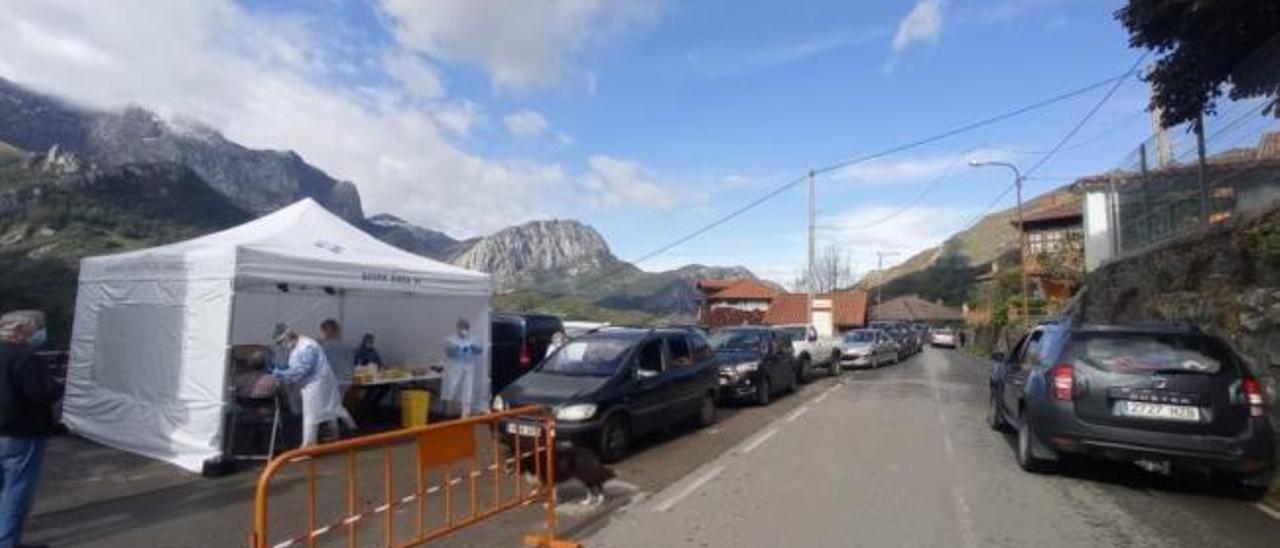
x=734, y=302
x=832, y=312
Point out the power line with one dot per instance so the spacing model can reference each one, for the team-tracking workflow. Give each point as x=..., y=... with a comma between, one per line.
x=1061, y=142
x=861, y=159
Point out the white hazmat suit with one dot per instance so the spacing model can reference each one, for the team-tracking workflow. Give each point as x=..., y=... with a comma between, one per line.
x=309, y=371
x=466, y=379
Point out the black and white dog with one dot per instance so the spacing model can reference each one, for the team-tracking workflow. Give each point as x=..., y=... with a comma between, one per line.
x=574, y=462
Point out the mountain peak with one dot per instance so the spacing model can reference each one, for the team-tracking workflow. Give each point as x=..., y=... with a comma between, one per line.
x=517, y=254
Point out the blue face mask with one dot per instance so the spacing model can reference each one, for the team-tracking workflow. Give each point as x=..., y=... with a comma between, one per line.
x=39, y=338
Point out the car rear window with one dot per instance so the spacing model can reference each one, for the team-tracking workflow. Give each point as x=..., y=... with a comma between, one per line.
x=1148, y=353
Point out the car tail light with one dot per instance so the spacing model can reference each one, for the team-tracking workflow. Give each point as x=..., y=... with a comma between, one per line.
x=1253, y=397
x=1063, y=378
x=525, y=355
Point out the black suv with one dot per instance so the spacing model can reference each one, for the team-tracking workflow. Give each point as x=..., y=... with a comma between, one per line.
x=1168, y=394
x=610, y=387
x=755, y=362
x=519, y=342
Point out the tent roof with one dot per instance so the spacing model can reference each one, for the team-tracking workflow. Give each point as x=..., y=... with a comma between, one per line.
x=303, y=234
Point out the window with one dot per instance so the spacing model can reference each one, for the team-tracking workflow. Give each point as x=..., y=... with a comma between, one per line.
x=1031, y=354
x=650, y=356
x=701, y=350
x=678, y=348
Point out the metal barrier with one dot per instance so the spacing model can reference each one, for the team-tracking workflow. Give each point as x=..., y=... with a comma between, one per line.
x=527, y=434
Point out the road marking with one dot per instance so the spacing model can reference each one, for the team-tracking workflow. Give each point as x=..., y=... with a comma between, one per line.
x=711, y=431
x=1267, y=510
x=797, y=413
x=689, y=489
x=758, y=441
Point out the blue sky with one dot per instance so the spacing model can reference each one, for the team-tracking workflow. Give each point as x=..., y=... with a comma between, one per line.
x=644, y=119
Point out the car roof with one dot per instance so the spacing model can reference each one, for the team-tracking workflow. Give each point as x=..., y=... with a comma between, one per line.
x=1171, y=328
x=745, y=328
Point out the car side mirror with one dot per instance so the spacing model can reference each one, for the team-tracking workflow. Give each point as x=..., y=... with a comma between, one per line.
x=813, y=338
x=643, y=374
x=997, y=357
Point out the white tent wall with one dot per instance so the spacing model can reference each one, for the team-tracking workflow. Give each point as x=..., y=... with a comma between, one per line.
x=147, y=368
x=410, y=328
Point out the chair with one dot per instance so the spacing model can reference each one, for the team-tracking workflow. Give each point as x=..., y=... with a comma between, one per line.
x=255, y=398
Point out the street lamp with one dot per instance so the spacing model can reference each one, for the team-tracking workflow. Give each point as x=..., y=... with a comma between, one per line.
x=1022, y=228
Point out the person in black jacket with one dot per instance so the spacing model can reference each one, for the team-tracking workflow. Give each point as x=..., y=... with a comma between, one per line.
x=27, y=395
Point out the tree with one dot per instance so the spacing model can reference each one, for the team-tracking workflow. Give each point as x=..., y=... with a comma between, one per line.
x=949, y=279
x=832, y=271
x=1065, y=264
x=1204, y=45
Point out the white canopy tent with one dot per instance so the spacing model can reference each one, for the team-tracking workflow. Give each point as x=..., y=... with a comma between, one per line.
x=153, y=328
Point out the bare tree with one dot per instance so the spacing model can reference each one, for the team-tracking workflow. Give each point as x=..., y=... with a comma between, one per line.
x=833, y=271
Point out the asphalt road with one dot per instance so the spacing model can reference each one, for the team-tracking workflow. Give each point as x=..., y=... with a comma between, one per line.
x=901, y=456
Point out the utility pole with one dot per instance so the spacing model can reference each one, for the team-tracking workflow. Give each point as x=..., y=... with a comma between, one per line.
x=813, y=217
x=880, y=255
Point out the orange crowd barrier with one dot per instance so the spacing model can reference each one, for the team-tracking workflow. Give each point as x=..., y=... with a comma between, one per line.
x=450, y=477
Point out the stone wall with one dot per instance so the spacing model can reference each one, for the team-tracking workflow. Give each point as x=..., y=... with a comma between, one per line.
x=1224, y=278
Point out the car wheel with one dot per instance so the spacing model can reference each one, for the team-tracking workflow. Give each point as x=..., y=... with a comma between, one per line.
x=1026, y=455
x=804, y=369
x=615, y=439
x=995, y=418
x=793, y=383
x=835, y=364
x=707, y=411
x=762, y=391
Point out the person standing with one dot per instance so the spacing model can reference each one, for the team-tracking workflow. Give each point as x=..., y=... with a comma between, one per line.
x=466, y=381
x=342, y=360
x=309, y=371
x=27, y=394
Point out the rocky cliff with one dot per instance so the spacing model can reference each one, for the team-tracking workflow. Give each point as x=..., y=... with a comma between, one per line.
x=259, y=181
x=532, y=251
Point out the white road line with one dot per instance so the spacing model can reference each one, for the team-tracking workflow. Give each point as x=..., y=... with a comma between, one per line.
x=1267, y=510
x=963, y=515
x=758, y=441
x=797, y=413
x=711, y=431
x=689, y=489
x=819, y=398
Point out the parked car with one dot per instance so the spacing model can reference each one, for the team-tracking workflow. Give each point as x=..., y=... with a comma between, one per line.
x=867, y=348
x=1165, y=394
x=611, y=387
x=943, y=336
x=815, y=352
x=908, y=343
x=519, y=342
x=755, y=363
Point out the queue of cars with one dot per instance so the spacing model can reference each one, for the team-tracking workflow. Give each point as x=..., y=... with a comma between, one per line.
x=611, y=386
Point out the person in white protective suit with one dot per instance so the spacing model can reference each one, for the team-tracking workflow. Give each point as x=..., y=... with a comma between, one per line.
x=308, y=370
x=466, y=379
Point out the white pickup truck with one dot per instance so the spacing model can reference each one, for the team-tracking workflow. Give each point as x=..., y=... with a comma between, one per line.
x=816, y=353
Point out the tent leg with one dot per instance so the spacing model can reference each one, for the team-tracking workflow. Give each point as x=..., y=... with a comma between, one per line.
x=275, y=428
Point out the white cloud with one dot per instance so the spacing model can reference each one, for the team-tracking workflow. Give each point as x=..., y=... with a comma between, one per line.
x=526, y=123
x=459, y=118
x=906, y=232
x=521, y=45
x=419, y=79
x=914, y=169
x=267, y=81
x=732, y=62
x=613, y=182
x=922, y=24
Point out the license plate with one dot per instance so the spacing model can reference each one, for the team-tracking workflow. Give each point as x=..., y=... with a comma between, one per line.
x=1160, y=411
x=723, y=381
x=527, y=430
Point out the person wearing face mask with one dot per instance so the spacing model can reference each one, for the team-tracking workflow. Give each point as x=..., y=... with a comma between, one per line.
x=309, y=371
x=557, y=340
x=27, y=394
x=466, y=382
